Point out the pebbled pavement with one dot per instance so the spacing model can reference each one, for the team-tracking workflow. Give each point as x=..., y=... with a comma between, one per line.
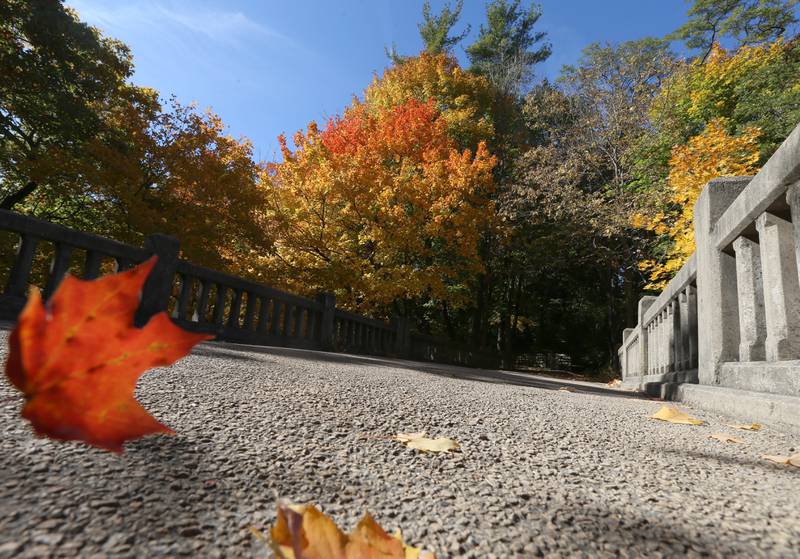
x=543, y=472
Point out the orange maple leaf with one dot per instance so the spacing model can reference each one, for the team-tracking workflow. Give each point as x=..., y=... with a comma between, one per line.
x=77, y=360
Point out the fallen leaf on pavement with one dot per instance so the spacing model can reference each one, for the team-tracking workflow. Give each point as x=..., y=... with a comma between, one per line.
x=746, y=427
x=722, y=437
x=614, y=383
x=787, y=460
x=566, y=389
x=303, y=532
x=672, y=414
x=77, y=359
x=420, y=442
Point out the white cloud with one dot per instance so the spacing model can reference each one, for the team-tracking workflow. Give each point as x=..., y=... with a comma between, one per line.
x=227, y=27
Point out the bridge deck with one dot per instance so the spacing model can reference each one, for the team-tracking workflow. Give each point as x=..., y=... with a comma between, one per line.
x=542, y=470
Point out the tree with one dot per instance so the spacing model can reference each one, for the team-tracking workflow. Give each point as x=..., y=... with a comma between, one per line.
x=379, y=207
x=573, y=192
x=711, y=154
x=754, y=86
x=435, y=29
x=177, y=172
x=747, y=22
x=55, y=69
x=504, y=50
x=465, y=101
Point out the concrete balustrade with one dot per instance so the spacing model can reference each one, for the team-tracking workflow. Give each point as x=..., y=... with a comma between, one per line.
x=729, y=321
x=781, y=287
x=752, y=325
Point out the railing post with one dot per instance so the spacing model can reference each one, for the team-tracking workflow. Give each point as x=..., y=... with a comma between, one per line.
x=328, y=301
x=644, y=333
x=158, y=287
x=781, y=287
x=752, y=325
x=623, y=352
x=717, y=299
x=402, y=339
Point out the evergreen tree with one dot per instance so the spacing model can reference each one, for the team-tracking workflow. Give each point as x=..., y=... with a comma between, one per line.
x=506, y=48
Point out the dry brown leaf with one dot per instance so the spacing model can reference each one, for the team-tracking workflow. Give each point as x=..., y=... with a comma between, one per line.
x=419, y=441
x=746, y=427
x=566, y=389
x=614, y=383
x=725, y=438
x=793, y=460
x=672, y=414
x=302, y=531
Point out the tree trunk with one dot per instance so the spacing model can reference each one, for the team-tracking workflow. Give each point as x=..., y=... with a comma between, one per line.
x=15, y=198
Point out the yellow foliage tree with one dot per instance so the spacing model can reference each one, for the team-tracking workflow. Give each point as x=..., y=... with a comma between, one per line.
x=379, y=206
x=713, y=153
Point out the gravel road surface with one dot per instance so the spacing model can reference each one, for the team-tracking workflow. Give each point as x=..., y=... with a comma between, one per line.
x=543, y=472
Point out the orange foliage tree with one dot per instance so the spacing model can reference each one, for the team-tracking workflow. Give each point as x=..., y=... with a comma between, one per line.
x=179, y=172
x=379, y=206
x=464, y=100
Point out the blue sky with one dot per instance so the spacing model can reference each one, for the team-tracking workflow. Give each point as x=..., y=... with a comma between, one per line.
x=271, y=66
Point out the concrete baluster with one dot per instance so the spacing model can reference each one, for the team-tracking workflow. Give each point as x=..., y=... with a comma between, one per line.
x=752, y=325
x=685, y=346
x=781, y=287
x=677, y=346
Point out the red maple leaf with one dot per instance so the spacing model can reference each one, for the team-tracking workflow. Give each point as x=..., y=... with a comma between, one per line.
x=77, y=360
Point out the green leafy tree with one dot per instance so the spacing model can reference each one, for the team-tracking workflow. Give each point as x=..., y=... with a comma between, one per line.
x=506, y=48
x=55, y=70
x=747, y=22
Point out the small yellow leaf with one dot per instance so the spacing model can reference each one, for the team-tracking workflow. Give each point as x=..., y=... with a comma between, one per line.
x=672, y=414
x=724, y=438
x=746, y=427
x=405, y=437
x=420, y=442
x=787, y=460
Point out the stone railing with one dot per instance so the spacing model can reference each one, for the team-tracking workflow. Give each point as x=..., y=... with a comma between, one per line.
x=662, y=348
x=742, y=331
x=200, y=299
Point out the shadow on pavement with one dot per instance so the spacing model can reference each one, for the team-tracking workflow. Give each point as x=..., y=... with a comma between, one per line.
x=235, y=351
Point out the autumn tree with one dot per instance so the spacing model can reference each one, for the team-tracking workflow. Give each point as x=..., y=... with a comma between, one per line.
x=82, y=147
x=380, y=207
x=738, y=106
x=178, y=171
x=711, y=154
x=464, y=100
x=754, y=86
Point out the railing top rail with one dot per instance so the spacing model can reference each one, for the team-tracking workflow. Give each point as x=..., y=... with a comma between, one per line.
x=764, y=190
x=685, y=276
x=235, y=282
x=362, y=319
x=45, y=230
x=632, y=339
